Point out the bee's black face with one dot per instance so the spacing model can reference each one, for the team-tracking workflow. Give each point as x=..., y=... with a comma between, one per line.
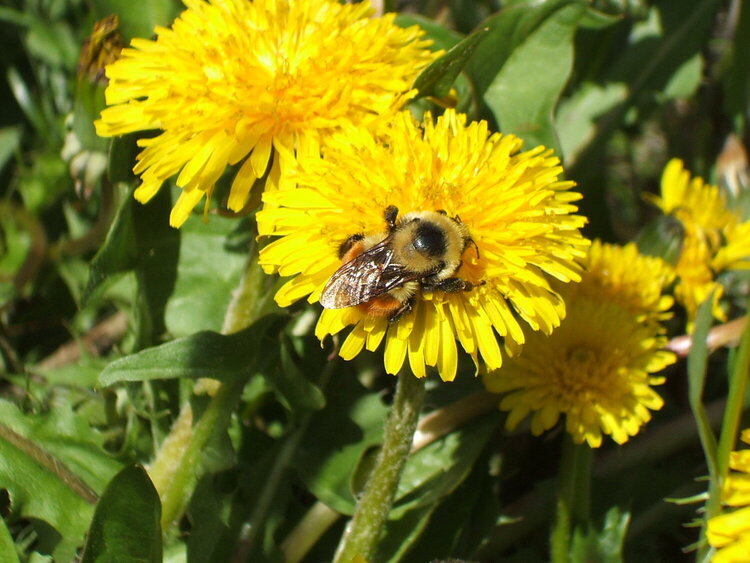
x=429, y=240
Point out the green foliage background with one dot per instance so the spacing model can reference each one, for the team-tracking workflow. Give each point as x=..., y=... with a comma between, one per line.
x=108, y=315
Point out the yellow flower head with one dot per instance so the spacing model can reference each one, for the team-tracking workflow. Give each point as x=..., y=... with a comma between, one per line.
x=232, y=80
x=622, y=275
x=597, y=369
x=696, y=278
x=729, y=532
x=714, y=238
x=512, y=205
x=695, y=203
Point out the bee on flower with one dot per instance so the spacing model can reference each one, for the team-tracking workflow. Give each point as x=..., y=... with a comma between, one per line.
x=419, y=235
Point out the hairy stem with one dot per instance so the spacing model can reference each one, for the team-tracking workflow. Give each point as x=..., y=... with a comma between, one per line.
x=176, y=468
x=365, y=528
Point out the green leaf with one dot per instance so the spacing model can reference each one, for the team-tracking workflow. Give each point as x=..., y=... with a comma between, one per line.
x=336, y=440
x=435, y=471
x=736, y=78
x=685, y=80
x=578, y=115
x=696, y=367
x=87, y=104
x=739, y=370
x=118, y=253
x=140, y=22
x=208, y=271
x=7, y=547
x=126, y=526
x=121, y=158
x=52, y=42
x=52, y=465
x=291, y=385
x=205, y=354
x=403, y=532
x=605, y=544
x=596, y=19
x=658, y=47
x=10, y=140
x=42, y=185
x=438, y=78
x=141, y=240
x=522, y=93
x=26, y=100
x=158, y=247
x=442, y=37
x=475, y=504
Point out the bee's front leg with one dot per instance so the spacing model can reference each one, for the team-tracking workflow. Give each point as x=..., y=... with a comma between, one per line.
x=448, y=285
x=390, y=214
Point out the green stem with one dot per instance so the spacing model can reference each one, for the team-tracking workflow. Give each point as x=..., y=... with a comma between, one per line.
x=364, y=530
x=316, y=522
x=176, y=495
x=730, y=428
x=176, y=468
x=573, y=497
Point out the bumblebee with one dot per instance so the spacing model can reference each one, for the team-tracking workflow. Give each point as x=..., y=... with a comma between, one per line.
x=381, y=273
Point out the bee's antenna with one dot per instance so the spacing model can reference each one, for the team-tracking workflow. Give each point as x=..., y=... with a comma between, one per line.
x=471, y=241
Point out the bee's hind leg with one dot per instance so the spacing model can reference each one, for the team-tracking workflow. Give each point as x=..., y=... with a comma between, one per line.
x=347, y=245
x=402, y=311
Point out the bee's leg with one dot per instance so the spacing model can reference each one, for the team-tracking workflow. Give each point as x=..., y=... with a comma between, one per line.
x=402, y=311
x=391, y=212
x=346, y=246
x=449, y=285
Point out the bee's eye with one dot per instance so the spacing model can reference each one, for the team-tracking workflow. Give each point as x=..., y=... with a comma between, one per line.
x=429, y=240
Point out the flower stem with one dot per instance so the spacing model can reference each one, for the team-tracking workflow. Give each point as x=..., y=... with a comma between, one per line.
x=573, y=495
x=365, y=528
x=316, y=521
x=175, y=494
x=176, y=468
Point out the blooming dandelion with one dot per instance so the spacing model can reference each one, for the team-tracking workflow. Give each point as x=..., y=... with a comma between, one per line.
x=622, y=275
x=729, y=532
x=599, y=367
x=715, y=239
x=517, y=216
x=237, y=82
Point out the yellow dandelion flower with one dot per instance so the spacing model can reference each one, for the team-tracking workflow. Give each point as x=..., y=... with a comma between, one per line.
x=598, y=368
x=517, y=212
x=691, y=200
x=622, y=275
x=734, y=254
x=238, y=81
x=714, y=237
x=696, y=279
x=729, y=532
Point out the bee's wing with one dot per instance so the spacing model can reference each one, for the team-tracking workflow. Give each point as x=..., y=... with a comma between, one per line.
x=365, y=277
